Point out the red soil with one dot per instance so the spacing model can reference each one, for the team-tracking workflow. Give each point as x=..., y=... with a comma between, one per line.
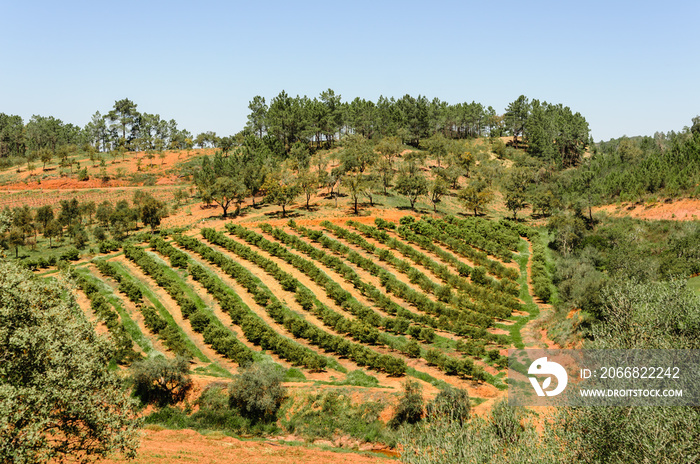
x=185, y=446
x=686, y=209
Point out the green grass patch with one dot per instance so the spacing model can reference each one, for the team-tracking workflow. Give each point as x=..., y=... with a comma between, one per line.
x=530, y=307
x=330, y=413
x=356, y=378
x=294, y=375
x=426, y=378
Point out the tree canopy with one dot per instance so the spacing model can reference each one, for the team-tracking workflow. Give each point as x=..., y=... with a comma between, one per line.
x=57, y=396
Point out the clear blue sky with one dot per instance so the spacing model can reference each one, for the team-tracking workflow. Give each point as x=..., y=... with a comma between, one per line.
x=630, y=67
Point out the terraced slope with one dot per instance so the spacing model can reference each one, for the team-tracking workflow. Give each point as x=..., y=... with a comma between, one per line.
x=438, y=300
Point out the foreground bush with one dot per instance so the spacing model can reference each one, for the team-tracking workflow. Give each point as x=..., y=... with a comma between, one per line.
x=634, y=315
x=444, y=440
x=161, y=381
x=213, y=413
x=331, y=413
x=257, y=392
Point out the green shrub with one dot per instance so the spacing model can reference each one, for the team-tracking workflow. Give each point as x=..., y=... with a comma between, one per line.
x=71, y=254
x=479, y=275
x=412, y=349
x=215, y=414
x=83, y=175
x=131, y=291
x=199, y=321
x=153, y=320
x=427, y=334
x=409, y=410
x=107, y=246
x=257, y=392
x=174, y=340
x=161, y=381
x=505, y=422
x=451, y=403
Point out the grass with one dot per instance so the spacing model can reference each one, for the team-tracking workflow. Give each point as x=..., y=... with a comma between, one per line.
x=356, y=378
x=694, y=284
x=441, y=384
x=43, y=250
x=530, y=307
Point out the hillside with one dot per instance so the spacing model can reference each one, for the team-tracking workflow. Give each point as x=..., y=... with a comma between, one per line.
x=351, y=295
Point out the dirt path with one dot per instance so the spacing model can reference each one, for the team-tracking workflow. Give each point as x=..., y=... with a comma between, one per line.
x=187, y=446
x=174, y=309
x=684, y=209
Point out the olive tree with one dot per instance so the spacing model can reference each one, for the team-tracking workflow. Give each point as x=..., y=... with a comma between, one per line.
x=257, y=392
x=58, y=398
x=161, y=381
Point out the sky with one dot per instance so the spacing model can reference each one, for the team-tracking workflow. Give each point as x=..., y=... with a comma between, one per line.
x=629, y=67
